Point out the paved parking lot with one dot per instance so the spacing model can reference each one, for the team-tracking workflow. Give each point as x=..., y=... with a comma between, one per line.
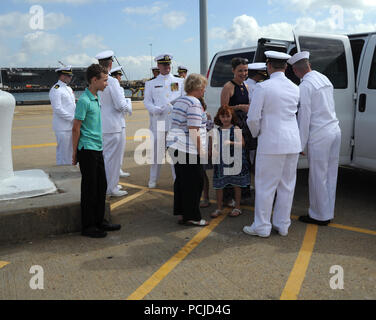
x=152, y=257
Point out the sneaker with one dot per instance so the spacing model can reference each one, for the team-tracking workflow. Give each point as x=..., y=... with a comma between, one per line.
x=250, y=231
x=118, y=193
x=152, y=185
x=124, y=174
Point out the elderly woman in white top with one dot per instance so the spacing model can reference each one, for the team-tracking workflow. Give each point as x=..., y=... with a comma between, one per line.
x=187, y=144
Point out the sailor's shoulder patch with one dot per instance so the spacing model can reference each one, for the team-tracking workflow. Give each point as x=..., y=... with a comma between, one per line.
x=57, y=86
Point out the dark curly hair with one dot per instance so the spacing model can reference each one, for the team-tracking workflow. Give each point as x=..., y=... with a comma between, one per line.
x=225, y=110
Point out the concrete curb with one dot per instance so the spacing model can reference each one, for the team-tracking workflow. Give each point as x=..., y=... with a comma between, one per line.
x=53, y=214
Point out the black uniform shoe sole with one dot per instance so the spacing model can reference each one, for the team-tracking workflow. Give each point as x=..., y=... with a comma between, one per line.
x=111, y=227
x=308, y=219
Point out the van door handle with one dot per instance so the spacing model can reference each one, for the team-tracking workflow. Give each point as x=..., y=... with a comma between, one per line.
x=362, y=102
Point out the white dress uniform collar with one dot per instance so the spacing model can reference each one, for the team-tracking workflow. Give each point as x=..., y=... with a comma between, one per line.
x=277, y=74
x=61, y=83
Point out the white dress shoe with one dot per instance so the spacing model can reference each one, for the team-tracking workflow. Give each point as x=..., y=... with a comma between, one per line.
x=119, y=186
x=152, y=185
x=118, y=193
x=280, y=232
x=124, y=174
x=249, y=230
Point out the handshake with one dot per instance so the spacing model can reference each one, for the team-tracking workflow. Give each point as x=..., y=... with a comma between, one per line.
x=162, y=109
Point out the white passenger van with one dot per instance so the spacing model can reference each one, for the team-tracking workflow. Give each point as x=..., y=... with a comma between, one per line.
x=350, y=64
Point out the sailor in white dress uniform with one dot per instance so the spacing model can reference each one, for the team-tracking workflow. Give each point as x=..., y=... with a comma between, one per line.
x=321, y=134
x=158, y=95
x=117, y=74
x=256, y=73
x=113, y=107
x=63, y=104
x=272, y=118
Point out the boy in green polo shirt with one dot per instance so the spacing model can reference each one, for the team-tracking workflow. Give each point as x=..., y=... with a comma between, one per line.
x=87, y=150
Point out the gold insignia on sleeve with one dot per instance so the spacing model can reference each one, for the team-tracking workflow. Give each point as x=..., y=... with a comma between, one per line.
x=57, y=86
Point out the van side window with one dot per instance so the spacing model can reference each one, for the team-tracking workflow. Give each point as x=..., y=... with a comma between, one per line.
x=328, y=57
x=222, y=70
x=372, y=73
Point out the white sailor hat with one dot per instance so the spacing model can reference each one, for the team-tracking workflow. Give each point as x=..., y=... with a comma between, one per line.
x=182, y=68
x=164, y=58
x=65, y=70
x=298, y=56
x=105, y=55
x=116, y=70
x=275, y=55
x=155, y=68
x=257, y=66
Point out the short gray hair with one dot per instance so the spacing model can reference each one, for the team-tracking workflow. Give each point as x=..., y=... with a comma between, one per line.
x=194, y=81
x=302, y=65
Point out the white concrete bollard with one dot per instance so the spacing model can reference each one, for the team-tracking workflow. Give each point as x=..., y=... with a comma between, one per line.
x=19, y=184
x=7, y=105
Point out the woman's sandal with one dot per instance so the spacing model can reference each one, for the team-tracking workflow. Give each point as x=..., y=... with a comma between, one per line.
x=201, y=223
x=204, y=203
x=216, y=213
x=235, y=213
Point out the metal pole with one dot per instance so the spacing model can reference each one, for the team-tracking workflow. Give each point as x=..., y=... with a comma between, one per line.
x=121, y=68
x=203, y=37
x=151, y=59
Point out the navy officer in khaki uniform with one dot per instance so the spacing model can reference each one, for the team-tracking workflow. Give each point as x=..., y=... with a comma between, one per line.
x=158, y=95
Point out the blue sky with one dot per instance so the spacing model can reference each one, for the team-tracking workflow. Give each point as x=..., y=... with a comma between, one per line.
x=74, y=31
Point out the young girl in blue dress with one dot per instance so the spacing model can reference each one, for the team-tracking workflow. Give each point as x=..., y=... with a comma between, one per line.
x=226, y=120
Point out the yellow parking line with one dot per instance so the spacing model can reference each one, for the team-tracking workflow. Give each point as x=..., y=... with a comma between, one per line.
x=343, y=227
x=33, y=127
x=297, y=275
x=43, y=145
x=361, y=230
x=163, y=271
x=35, y=146
x=127, y=199
x=3, y=264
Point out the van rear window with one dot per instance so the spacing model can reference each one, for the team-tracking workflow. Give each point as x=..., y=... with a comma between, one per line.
x=222, y=70
x=328, y=57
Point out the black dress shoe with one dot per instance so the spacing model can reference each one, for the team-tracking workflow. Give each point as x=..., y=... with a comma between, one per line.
x=94, y=233
x=106, y=226
x=308, y=219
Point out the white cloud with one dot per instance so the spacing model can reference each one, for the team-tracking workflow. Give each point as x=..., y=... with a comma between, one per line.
x=146, y=10
x=174, y=19
x=93, y=41
x=79, y=60
x=137, y=67
x=314, y=5
x=59, y=1
x=41, y=42
x=245, y=30
x=188, y=40
x=15, y=24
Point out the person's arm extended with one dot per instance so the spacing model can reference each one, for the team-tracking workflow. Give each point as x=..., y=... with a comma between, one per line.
x=227, y=93
x=75, y=138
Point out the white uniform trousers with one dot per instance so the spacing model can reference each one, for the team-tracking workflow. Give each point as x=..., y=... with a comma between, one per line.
x=158, y=153
x=111, y=155
x=64, y=147
x=123, y=143
x=274, y=173
x=323, y=157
